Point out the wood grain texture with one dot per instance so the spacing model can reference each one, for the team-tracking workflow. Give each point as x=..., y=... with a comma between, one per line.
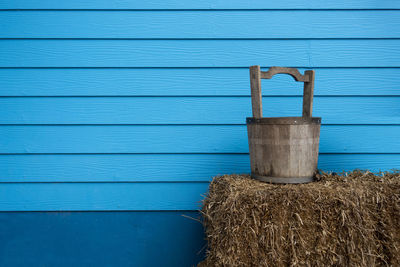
x=190, y=82
x=187, y=139
x=159, y=167
x=196, y=110
x=199, y=4
x=201, y=24
x=308, y=94
x=209, y=53
x=117, y=168
x=293, y=72
x=283, y=152
x=256, y=94
x=349, y=162
x=101, y=196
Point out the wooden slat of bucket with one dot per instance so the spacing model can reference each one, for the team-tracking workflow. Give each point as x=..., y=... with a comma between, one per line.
x=283, y=151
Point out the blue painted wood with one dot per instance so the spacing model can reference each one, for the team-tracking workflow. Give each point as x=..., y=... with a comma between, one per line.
x=201, y=24
x=208, y=53
x=120, y=167
x=196, y=110
x=349, y=162
x=190, y=82
x=159, y=167
x=101, y=196
x=100, y=239
x=182, y=139
x=84, y=166
x=199, y=4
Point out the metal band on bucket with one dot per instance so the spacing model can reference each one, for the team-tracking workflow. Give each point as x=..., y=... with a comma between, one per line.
x=283, y=180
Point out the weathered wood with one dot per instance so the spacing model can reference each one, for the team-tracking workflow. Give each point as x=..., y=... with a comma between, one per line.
x=281, y=70
x=284, y=150
x=256, y=97
x=284, y=153
x=308, y=94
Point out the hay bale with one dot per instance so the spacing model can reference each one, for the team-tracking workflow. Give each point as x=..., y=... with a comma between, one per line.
x=351, y=220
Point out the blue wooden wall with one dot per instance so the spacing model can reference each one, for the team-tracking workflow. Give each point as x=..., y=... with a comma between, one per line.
x=115, y=114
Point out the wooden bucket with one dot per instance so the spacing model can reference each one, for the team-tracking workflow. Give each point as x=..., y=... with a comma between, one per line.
x=285, y=149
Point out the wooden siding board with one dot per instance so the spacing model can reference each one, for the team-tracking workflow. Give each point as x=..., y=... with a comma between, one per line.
x=101, y=196
x=181, y=139
x=159, y=167
x=349, y=162
x=199, y=4
x=201, y=24
x=197, y=110
x=200, y=53
x=109, y=238
x=190, y=82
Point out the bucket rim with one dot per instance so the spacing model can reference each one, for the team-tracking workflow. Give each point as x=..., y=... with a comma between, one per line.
x=284, y=120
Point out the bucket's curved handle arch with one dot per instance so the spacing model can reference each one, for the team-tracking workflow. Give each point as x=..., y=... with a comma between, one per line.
x=255, y=82
x=295, y=73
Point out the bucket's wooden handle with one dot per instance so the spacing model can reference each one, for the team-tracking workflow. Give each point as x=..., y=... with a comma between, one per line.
x=255, y=82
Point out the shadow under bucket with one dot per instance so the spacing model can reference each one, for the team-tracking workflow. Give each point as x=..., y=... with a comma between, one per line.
x=283, y=149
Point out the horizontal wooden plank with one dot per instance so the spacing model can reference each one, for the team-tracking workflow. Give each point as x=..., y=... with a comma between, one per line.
x=159, y=167
x=200, y=24
x=190, y=82
x=200, y=53
x=349, y=162
x=181, y=139
x=100, y=196
x=132, y=238
x=190, y=110
x=198, y=4
x=120, y=167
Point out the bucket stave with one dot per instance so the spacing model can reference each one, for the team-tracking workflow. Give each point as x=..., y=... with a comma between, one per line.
x=283, y=149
